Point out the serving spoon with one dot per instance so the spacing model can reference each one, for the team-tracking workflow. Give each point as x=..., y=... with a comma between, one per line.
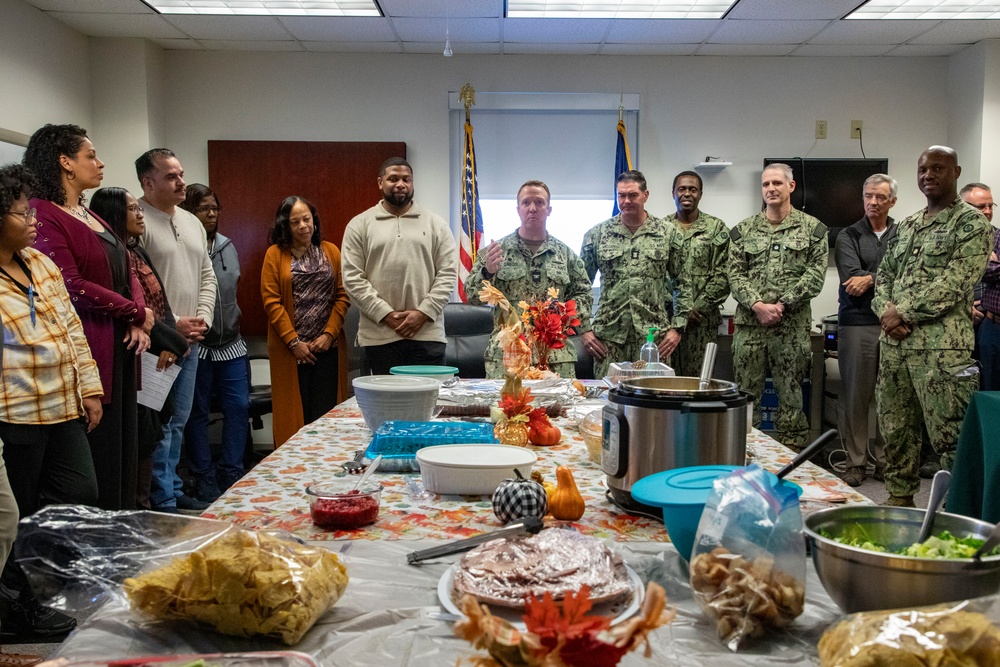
x=368, y=473
x=992, y=541
x=939, y=489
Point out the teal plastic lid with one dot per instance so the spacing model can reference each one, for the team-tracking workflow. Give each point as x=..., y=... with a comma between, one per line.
x=681, y=486
x=423, y=370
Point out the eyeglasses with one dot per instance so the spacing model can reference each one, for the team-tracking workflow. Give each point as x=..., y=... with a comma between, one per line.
x=24, y=215
x=134, y=208
x=208, y=209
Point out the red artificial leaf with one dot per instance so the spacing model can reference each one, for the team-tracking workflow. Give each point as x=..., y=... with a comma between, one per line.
x=588, y=651
x=538, y=418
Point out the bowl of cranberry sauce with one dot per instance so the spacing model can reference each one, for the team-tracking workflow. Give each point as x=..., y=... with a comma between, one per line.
x=337, y=504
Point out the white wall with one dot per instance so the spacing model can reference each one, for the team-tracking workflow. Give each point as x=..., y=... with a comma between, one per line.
x=44, y=72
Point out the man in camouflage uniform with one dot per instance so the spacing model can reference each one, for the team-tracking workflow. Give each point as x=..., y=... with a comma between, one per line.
x=700, y=254
x=777, y=264
x=631, y=250
x=524, y=265
x=923, y=297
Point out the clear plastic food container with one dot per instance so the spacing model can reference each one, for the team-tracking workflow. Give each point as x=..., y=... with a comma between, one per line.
x=399, y=441
x=336, y=504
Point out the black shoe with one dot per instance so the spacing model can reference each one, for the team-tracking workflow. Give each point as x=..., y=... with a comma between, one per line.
x=27, y=616
x=929, y=469
x=207, y=489
x=879, y=475
x=166, y=509
x=185, y=502
x=227, y=479
x=854, y=476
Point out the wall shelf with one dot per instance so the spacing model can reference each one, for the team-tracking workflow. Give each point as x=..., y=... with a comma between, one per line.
x=712, y=166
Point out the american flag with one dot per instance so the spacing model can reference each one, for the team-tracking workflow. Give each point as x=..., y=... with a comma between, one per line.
x=472, y=215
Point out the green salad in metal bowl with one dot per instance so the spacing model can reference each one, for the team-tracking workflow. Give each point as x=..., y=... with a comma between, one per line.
x=943, y=545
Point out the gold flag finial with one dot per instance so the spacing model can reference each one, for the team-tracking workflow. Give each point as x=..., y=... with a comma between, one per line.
x=621, y=107
x=468, y=97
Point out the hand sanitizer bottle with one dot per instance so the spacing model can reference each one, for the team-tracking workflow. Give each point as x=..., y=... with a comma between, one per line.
x=649, y=352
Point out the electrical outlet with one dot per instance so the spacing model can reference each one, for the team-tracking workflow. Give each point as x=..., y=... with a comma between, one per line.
x=855, y=129
x=821, y=129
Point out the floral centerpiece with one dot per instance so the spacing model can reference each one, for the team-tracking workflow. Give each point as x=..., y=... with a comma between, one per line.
x=528, y=337
x=561, y=635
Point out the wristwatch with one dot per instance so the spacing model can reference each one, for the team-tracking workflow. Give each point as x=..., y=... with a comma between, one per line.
x=486, y=274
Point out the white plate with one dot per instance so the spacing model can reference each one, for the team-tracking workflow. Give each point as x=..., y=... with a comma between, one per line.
x=622, y=608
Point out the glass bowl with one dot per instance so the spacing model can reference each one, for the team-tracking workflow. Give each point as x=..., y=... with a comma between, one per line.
x=335, y=504
x=592, y=430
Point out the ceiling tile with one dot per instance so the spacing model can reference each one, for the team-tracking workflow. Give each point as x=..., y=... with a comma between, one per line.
x=435, y=8
x=353, y=47
x=458, y=48
x=560, y=31
x=871, y=32
x=151, y=26
x=554, y=49
x=102, y=7
x=959, y=32
x=745, y=49
x=797, y=9
x=648, y=49
x=230, y=27
x=926, y=49
x=180, y=44
x=250, y=45
x=649, y=32
x=838, y=50
x=430, y=30
x=765, y=32
x=337, y=29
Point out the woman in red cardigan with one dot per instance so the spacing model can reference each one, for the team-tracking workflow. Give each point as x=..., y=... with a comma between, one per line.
x=305, y=302
x=95, y=266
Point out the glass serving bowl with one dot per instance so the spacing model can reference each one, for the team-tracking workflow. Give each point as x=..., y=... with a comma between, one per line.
x=336, y=504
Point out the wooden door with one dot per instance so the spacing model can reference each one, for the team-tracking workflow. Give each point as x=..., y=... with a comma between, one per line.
x=253, y=177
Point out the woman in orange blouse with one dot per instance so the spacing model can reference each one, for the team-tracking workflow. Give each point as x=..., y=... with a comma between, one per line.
x=305, y=302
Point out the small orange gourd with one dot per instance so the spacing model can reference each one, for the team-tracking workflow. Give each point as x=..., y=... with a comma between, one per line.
x=544, y=435
x=566, y=503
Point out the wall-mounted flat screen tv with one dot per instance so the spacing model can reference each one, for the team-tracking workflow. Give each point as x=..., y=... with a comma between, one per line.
x=831, y=188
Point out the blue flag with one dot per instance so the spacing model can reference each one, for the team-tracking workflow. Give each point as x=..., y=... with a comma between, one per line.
x=623, y=163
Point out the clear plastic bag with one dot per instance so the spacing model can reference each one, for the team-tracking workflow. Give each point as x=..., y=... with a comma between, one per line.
x=954, y=633
x=749, y=563
x=174, y=567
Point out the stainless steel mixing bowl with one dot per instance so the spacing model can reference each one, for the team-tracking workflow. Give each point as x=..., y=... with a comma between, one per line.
x=861, y=580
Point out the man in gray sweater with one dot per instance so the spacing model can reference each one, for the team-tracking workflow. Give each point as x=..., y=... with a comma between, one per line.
x=859, y=250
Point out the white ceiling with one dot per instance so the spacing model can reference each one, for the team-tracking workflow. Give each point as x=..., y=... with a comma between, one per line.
x=751, y=27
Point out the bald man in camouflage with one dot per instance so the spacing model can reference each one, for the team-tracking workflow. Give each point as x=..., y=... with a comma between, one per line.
x=923, y=297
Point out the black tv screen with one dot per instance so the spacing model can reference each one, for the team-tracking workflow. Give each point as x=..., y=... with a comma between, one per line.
x=831, y=188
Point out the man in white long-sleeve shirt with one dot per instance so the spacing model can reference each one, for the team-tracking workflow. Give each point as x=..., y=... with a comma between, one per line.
x=176, y=242
x=400, y=265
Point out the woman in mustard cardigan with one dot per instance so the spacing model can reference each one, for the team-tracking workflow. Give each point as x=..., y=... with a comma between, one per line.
x=305, y=302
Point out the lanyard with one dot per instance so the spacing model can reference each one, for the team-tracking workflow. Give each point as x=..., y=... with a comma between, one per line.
x=29, y=291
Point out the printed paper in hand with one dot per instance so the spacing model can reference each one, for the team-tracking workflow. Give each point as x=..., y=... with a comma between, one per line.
x=155, y=384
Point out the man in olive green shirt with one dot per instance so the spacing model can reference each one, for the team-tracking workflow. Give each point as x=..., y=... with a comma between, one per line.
x=777, y=264
x=700, y=255
x=632, y=251
x=524, y=265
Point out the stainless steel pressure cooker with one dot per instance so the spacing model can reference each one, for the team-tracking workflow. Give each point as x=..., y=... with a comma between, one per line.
x=654, y=424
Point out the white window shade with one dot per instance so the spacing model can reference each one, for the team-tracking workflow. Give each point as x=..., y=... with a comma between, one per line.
x=566, y=140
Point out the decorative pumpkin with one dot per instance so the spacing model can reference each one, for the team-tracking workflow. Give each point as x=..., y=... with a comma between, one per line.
x=566, y=503
x=511, y=432
x=544, y=435
x=518, y=497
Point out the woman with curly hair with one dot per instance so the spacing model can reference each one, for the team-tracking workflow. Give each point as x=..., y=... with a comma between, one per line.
x=305, y=302
x=99, y=278
x=120, y=209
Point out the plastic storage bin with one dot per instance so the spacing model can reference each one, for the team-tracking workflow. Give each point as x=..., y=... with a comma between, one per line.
x=398, y=441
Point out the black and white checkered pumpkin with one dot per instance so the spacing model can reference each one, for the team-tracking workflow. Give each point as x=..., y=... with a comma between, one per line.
x=518, y=497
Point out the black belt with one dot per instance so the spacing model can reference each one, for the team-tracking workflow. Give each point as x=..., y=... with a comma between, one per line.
x=992, y=316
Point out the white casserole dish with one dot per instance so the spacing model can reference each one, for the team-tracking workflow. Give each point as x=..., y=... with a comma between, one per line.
x=471, y=470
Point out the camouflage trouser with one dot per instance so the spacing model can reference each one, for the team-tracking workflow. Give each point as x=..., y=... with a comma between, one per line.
x=688, y=356
x=786, y=351
x=917, y=388
x=619, y=352
x=495, y=369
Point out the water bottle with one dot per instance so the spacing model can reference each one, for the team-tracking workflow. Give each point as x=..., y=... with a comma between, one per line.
x=649, y=352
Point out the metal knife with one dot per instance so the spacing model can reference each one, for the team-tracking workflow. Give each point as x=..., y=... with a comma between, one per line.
x=526, y=525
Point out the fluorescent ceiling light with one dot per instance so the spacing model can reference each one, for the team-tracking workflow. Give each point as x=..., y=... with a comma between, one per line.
x=267, y=7
x=933, y=10
x=622, y=9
